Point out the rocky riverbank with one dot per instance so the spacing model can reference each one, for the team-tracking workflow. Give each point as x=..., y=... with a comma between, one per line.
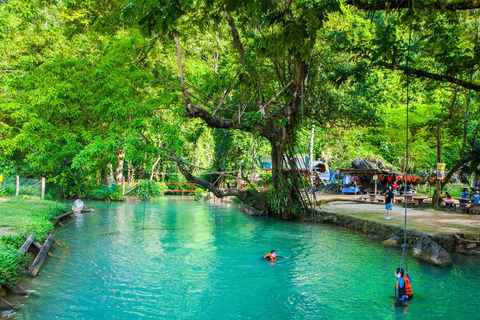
x=452, y=231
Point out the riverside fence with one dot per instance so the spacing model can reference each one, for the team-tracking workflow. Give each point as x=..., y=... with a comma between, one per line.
x=16, y=186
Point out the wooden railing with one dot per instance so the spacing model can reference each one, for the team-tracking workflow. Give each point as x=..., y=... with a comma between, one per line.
x=177, y=184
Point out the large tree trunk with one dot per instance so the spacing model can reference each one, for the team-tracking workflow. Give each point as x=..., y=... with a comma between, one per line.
x=280, y=134
x=438, y=184
x=119, y=169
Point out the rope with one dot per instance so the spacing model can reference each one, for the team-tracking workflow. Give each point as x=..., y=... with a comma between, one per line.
x=404, y=245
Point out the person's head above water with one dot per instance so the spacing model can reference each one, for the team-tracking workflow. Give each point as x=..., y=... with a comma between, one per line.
x=271, y=256
x=400, y=272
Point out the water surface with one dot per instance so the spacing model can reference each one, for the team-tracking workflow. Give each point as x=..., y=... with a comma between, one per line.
x=179, y=259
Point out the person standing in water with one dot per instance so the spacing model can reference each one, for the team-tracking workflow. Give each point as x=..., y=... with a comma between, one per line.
x=403, y=286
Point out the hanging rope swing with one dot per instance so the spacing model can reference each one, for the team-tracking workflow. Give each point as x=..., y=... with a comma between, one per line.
x=404, y=245
x=406, y=293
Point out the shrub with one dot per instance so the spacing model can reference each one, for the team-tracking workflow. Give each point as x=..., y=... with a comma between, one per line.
x=148, y=189
x=111, y=193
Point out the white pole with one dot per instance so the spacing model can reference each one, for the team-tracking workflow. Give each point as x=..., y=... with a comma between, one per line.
x=43, y=187
x=310, y=167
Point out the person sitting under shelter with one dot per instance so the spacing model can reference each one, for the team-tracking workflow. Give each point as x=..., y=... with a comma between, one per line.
x=448, y=199
x=465, y=194
x=476, y=198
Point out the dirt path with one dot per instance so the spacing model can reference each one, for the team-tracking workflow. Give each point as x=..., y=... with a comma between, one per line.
x=425, y=220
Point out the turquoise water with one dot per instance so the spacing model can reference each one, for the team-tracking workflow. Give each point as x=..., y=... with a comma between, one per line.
x=179, y=259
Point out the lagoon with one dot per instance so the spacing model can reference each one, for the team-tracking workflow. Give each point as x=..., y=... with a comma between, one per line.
x=179, y=259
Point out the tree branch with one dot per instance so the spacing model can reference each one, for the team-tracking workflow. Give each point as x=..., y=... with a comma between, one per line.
x=236, y=37
x=194, y=111
x=180, y=72
x=434, y=76
x=242, y=195
x=407, y=4
x=143, y=54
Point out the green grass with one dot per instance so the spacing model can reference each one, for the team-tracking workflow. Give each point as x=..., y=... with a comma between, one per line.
x=25, y=217
x=454, y=189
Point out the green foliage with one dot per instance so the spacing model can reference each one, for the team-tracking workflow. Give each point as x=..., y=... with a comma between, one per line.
x=113, y=192
x=10, y=263
x=148, y=189
x=24, y=217
x=197, y=196
x=82, y=89
x=265, y=178
x=277, y=200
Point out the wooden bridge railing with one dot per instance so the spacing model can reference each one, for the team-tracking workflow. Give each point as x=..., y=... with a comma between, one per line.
x=177, y=184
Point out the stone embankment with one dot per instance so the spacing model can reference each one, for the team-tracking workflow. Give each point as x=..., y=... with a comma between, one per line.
x=453, y=232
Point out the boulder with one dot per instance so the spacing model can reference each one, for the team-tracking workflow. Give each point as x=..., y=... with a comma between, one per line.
x=429, y=251
x=392, y=242
x=78, y=206
x=250, y=210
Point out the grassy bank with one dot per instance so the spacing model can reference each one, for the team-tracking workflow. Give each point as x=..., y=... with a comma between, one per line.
x=20, y=217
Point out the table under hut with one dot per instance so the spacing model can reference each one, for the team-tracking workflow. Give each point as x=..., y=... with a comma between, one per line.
x=370, y=182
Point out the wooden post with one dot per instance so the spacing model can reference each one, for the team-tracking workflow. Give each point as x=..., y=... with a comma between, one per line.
x=15, y=288
x=26, y=245
x=17, y=190
x=66, y=214
x=5, y=305
x=37, y=263
x=43, y=187
x=123, y=185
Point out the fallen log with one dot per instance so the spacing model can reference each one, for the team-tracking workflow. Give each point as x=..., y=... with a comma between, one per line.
x=26, y=245
x=16, y=289
x=465, y=240
x=37, y=263
x=64, y=215
x=67, y=224
x=5, y=305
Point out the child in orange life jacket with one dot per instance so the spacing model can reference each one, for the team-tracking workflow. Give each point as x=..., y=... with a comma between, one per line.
x=272, y=256
x=403, y=285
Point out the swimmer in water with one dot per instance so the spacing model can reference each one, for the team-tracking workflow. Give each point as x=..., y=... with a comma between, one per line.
x=272, y=256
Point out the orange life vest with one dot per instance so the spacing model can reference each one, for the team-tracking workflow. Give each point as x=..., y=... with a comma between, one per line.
x=269, y=256
x=407, y=289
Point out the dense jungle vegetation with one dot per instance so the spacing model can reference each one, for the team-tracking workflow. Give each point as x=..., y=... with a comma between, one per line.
x=94, y=92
